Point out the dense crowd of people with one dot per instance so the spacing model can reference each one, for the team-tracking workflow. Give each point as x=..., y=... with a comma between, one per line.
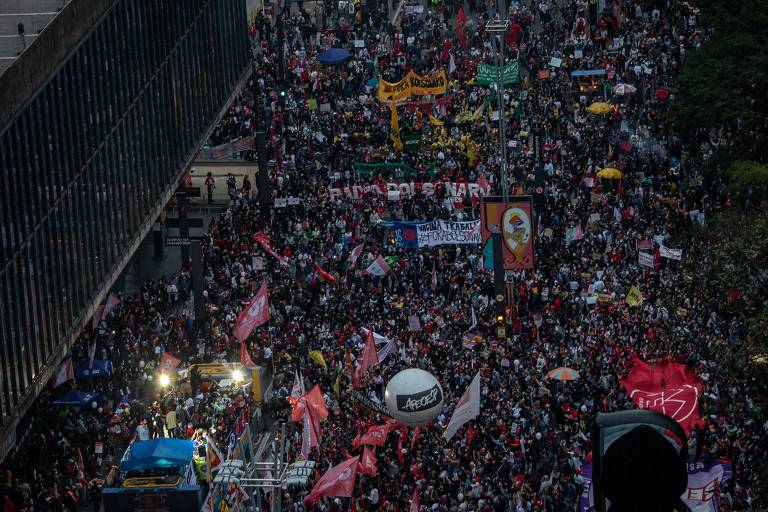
x=525, y=450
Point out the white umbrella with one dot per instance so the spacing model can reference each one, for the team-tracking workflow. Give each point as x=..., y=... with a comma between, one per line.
x=624, y=89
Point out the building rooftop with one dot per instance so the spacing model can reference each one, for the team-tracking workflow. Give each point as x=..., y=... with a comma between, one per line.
x=34, y=15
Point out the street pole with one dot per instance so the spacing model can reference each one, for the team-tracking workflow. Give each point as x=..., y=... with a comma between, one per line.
x=197, y=283
x=497, y=28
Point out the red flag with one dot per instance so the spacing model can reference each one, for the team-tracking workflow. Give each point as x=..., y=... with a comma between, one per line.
x=64, y=372
x=375, y=436
x=415, y=503
x=266, y=244
x=471, y=433
x=245, y=359
x=337, y=481
x=355, y=254
x=368, y=463
x=415, y=438
x=324, y=275
x=168, y=362
x=403, y=437
x=370, y=358
x=667, y=387
x=254, y=315
x=314, y=399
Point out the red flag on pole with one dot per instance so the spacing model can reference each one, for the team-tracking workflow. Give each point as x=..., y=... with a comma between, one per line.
x=325, y=275
x=370, y=358
x=415, y=438
x=415, y=502
x=337, y=481
x=254, y=315
x=245, y=359
x=355, y=254
x=266, y=244
x=368, y=462
x=168, y=362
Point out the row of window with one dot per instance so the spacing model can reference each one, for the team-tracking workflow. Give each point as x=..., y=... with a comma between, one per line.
x=87, y=160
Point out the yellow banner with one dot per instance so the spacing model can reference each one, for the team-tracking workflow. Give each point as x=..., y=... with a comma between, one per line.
x=413, y=84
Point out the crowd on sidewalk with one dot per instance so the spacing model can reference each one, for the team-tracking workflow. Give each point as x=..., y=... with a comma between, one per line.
x=525, y=450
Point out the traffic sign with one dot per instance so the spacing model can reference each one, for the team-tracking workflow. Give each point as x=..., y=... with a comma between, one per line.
x=187, y=192
x=177, y=241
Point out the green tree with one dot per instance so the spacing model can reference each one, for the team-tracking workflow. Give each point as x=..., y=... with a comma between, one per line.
x=722, y=88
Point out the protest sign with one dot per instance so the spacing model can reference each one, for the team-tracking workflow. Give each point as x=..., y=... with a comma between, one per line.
x=396, y=191
x=411, y=235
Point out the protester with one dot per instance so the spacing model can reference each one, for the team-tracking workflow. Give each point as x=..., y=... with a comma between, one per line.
x=525, y=450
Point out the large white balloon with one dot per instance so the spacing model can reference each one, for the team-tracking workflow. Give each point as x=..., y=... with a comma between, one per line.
x=414, y=397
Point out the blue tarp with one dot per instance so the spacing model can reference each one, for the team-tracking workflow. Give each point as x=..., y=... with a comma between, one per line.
x=157, y=453
x=333, y=56
x=76, y=398
x=102, y=368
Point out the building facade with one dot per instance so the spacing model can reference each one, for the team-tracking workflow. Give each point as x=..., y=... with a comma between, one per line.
x=90, y=158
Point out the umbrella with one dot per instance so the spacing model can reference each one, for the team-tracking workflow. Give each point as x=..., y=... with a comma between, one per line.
x=610, y=173
x=600, y=108
x=333, y=56
x=563, y=373
x=624, y=89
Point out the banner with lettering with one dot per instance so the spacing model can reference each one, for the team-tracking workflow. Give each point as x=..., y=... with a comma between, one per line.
x=397, y=191
x=510, y=74
x=514, y=220
x=412, y=235
x=704, y=481
x=413, y=84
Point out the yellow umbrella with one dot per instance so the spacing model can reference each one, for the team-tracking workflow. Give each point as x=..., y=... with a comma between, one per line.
x=610, y=173
x=600, y=108
x=563, y=373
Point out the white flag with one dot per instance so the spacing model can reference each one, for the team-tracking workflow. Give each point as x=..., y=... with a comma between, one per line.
x=298, y=386
x=466, y=410
x=473, y=321
x=451, y=65
x=355, y=254
x=379, y=267
x=389, y=348
x=64, y=372
x=379, y=339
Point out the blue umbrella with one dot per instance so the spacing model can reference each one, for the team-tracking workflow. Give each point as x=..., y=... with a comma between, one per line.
x=333, y=56
x=76, y=398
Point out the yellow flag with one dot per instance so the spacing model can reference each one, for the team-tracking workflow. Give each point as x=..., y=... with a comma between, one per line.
x=337, y=386
x=634, y=297
x=435, y=121
x=395, y=125
x=317, y=357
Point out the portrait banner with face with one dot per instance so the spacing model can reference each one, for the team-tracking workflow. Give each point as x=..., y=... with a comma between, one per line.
x=514, y=220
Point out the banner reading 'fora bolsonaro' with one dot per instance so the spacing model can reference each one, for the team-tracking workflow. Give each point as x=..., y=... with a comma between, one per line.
x=411, y=235
x=413, y=84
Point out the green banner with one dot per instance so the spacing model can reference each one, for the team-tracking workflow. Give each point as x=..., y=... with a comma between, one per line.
x=365, y=169
x=411, y=142
x=486, y=74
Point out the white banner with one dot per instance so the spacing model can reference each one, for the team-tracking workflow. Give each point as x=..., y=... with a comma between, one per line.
x=396, y=191
x=441, y=232
x=645, y=259
x=673, y=254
